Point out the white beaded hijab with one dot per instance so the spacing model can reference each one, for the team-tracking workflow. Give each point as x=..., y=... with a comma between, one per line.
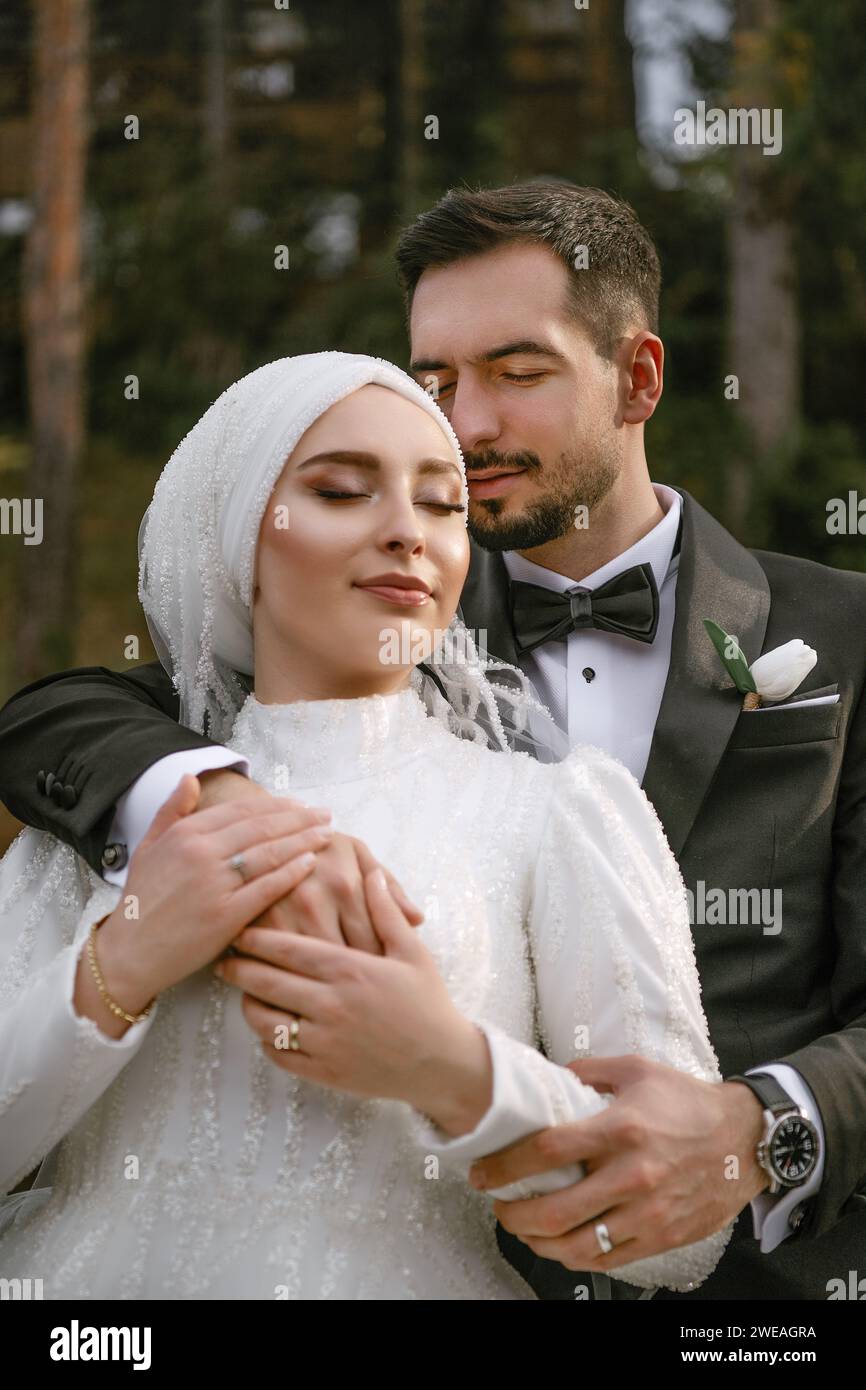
x=197, y=551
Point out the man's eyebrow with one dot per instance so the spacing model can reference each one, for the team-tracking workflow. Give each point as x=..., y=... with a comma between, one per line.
x=528, y=346
x=359, y=459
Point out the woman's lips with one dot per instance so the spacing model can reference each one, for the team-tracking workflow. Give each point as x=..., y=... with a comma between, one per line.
x=403, y=598
x=493, y=485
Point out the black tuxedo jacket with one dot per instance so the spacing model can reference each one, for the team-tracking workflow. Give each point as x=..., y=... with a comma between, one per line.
x=766, y=801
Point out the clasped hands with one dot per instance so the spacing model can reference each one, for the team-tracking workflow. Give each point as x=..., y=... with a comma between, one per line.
x=670, y=1161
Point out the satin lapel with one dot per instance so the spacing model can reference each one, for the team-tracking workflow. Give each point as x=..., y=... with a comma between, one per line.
x=484, y=604
x=718, y=578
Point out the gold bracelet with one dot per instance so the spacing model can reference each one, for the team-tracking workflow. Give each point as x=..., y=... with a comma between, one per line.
x=100, y=983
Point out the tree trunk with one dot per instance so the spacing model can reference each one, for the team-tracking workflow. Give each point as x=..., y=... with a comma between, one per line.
x=606, y=97
x=53, y=311
x=411, y=92
x=216, y=106
x=763, y=326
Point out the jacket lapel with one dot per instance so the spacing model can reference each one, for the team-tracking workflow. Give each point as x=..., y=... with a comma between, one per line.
x=485, y=606
x=718, y=578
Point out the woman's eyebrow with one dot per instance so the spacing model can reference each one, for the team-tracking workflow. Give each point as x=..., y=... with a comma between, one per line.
x=359, y=459
x=354, y=456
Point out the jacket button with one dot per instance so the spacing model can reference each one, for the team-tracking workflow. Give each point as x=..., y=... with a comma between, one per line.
x=114, y=856
x=70, y=796
x=40, y=781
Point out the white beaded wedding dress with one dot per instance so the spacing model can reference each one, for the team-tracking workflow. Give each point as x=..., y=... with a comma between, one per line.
x=182, y=1164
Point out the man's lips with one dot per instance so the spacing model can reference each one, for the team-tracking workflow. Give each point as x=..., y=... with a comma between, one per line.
x=493, y=484
x=405, y=590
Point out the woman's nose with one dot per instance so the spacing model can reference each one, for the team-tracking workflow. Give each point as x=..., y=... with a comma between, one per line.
x=402, y=531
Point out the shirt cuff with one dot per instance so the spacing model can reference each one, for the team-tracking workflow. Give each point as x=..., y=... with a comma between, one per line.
x=770, y=1214
x=139, y=804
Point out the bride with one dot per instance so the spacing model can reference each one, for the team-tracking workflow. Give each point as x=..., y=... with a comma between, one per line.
x=224, y=1110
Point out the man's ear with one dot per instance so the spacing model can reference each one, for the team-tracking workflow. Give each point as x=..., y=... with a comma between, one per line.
x=642, y=363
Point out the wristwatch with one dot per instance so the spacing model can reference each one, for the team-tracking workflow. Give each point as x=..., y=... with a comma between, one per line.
x=788, y=1149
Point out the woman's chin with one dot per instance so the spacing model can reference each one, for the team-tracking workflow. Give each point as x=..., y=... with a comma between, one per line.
x=391, y=640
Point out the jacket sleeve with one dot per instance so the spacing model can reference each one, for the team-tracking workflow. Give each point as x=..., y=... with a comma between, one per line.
x=834, y=1065
x=86, y=735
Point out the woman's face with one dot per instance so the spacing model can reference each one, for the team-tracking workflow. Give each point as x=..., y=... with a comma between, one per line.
x=362, y=552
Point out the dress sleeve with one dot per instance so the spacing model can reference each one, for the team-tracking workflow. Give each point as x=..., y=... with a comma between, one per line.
x=54, y=1063
x=615, y=973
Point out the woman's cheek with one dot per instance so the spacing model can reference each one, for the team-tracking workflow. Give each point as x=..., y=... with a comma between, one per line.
x=452, y=563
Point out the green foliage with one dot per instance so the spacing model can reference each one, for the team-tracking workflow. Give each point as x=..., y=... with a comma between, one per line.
x=732, y=657
x=183, y=291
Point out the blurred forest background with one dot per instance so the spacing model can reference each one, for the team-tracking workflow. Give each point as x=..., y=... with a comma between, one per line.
x=153, y=155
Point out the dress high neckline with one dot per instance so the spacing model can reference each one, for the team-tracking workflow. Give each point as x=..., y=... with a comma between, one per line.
x=314, y=742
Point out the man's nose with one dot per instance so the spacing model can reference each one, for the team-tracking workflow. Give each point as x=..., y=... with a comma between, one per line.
x=474, y=417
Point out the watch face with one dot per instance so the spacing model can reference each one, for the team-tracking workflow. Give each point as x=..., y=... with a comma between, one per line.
x=794, y=1149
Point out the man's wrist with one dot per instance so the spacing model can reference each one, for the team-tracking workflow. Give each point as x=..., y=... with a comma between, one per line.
x=746, y=1129
x=226, y=784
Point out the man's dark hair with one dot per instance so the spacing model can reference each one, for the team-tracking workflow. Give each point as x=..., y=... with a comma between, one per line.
x=622, y=279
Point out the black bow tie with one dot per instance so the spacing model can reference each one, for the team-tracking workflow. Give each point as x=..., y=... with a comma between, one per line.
x=627, y=604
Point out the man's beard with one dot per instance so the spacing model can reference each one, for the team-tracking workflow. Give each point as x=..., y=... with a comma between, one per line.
x=551, y=515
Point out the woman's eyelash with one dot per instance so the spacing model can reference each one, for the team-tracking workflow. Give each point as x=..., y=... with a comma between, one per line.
x=431, y=502
x=325, y=492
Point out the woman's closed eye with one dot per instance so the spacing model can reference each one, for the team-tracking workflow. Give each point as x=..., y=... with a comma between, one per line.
x=437, y=503
x=338, y=495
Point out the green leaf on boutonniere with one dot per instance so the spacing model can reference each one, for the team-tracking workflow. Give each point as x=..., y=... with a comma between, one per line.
x=733, y=660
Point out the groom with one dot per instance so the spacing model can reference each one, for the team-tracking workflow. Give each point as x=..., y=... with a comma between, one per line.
x=533, y=319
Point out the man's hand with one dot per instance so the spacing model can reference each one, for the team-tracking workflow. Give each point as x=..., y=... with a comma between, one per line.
x=670, y=1161
x=333, y=904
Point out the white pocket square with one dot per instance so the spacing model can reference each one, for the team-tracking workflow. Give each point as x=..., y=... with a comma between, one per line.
x=799, y=704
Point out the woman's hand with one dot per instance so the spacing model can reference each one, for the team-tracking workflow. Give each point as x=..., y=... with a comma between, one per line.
x=372, y=1025
x=331, y=902
x=189, y=901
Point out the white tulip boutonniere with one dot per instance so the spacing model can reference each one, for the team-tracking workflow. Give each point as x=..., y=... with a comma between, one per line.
x=774, y=676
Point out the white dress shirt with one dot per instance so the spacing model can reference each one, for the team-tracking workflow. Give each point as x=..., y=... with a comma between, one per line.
x=602, y=688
